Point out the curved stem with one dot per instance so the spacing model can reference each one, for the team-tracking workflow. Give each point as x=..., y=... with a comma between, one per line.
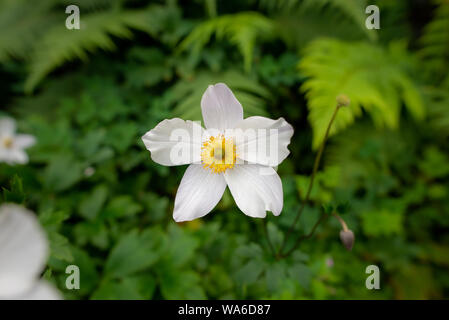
x=342, y=222
x=312, y=179
x=270, y=245
x=306, y=236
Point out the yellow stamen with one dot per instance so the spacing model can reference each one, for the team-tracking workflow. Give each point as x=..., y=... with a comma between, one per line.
x=7, y=142
x=218, y=154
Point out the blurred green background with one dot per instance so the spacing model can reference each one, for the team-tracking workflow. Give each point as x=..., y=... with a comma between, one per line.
x=88, y=96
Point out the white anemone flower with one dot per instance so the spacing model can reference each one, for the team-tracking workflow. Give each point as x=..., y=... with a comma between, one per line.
x=23, y=255
x=12, y=145
x=223, y=154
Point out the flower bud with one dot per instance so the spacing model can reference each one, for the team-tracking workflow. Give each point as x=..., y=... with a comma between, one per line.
x=347, y=238
x=343, y=100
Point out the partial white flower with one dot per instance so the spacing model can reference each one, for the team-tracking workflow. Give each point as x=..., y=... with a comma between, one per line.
x=23, y=255
x=231, y=151
x=12, y=145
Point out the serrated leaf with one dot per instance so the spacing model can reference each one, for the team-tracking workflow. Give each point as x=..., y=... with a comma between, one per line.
x=62, y=173
x=15, y=192
x=60, y=247
x=134, y=252
x=334, y=67
x=121, y=206
x=91, y=205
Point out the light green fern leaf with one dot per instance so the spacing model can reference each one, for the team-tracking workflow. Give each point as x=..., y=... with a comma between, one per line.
x=60, y=45
x=437, y=100
x=309, y=17
x=21, y=24
x=368, y=74
x=435, y=40
x=353, y=9
x=241, y=29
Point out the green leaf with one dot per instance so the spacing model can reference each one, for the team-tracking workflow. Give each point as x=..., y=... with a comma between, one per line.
x=91, y=205
x=276, y=235
x=241, y=29
x=15, y=192
x=123, y=289
x=134, y=252
x=275, y=275
x=434, y=42
x=122, y=135
x=341, y=19
x=325, y=182
x=382, y=222
x=301, y=273
x=90, y=144
x=140, y=287
x=180, y=248
x=89, y=276
x=157, y=205
x=52, y=220
x=180, y=285
x=435, y=163
x=62, y=173
x=251, y=251
x=18, y=41
x=59, y=44
x=120, y=207
x=334, y=67
x=249, y=273
x=94, y=232
x=60, y=247
x=415, y=282
x=47, y=274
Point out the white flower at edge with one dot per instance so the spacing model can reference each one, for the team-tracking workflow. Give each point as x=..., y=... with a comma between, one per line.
x=23, y=255
x=205, y=179
x=12, y=145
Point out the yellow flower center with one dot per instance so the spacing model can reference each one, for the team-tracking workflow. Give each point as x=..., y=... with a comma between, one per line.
x=218, y=154
x=7, y=142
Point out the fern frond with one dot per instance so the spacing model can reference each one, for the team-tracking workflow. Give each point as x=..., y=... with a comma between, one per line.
x=368, y=74
x=308, y=19
x=241, y=29
x=276, y=5
x=352, y=9
x=186, y=95
x=87, y=4
x=21, y=23
x=437, y=101
x=435, y=40
x=60, y=45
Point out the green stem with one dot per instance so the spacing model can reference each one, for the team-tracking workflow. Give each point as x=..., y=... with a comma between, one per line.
x=323, y=217
x=211, y=8
x=312, y=179
x=342, y=222
x=270, y=244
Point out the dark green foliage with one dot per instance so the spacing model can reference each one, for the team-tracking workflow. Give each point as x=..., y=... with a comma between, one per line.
x=107, y=207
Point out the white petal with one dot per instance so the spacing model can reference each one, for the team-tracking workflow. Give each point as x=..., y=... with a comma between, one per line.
x=255, y=189
x=221, y=110
x=174, y=142
x=7, y=127
x=23, y=141
x=199, y=192
x=13, y=155
x=41, y=290
x=23, y=249
x=19, y=156
x=262, y=140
